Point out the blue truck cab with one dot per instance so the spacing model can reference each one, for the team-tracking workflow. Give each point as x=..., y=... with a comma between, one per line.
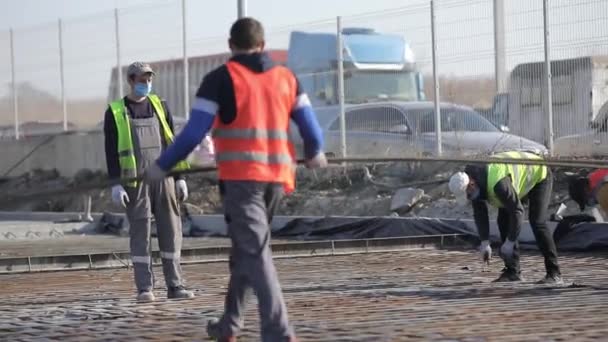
x=377, y=66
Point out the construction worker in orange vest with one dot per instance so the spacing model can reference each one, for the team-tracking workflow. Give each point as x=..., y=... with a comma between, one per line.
x=249, y=102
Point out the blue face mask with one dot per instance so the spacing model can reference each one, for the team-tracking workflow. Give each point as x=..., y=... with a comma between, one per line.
x=142, y=89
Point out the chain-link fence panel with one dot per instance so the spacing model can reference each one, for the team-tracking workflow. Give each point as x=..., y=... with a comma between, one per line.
x=154, y=34
x=89, y=52
x=38, y=80
x=387, y=75
x=578, y=43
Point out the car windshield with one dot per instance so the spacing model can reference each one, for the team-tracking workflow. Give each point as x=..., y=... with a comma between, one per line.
x=452, y=120
x=362, y=86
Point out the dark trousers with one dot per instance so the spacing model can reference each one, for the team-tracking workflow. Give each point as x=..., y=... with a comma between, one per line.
x=539, y=198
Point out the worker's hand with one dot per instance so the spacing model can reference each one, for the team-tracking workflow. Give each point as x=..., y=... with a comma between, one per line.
x=485, y=251
x=154, y=173
x=506, y=250
x=119, y=195
x=317, y=162
x=182, y=190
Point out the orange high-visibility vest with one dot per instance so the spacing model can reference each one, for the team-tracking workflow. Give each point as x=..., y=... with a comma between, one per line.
x=256, y=145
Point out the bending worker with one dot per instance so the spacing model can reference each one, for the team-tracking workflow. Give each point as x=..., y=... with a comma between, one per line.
x=137, y=128
x=503, y=186
x=590, y=190
x=250, y=101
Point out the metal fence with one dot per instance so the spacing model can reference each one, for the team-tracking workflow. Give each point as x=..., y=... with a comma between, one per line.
x=482, y=72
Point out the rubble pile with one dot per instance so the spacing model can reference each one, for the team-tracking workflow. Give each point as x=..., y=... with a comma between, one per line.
x=357, y=190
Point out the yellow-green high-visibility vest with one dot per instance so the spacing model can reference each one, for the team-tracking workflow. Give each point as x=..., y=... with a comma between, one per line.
x=523, y=177
x=126, y=155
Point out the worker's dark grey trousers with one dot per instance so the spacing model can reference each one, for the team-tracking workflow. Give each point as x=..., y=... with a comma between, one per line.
x=156, y=199
x=539, y=198
x=249, y=207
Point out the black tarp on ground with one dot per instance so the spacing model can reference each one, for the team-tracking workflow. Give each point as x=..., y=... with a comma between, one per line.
x=585, y=237
x=580, y=237
x=370, y=227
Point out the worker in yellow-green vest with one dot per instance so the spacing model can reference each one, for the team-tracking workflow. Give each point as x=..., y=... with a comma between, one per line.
x=506, y=186
x=137, y=129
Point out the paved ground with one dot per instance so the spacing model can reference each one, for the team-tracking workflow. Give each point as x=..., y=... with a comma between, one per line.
x=401, y=296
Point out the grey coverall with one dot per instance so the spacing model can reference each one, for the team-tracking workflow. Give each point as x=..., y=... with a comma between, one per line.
x=158, y=199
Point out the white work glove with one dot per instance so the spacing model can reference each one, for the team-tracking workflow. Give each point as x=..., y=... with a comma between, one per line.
x=317, y=162
x=182, y=190
x=485, y=251
x=506, y=250
x=119, y=195
x=154, y=173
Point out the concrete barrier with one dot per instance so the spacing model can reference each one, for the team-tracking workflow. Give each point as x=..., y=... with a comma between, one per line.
x=66, y=153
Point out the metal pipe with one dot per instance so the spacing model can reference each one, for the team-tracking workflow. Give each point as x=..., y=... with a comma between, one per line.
x=340, y=58
x=118, y=63
x=436, y=83
x=14, y=86
x=186, y=66
x=64, y=102
x=548, y=76
x=241, y=8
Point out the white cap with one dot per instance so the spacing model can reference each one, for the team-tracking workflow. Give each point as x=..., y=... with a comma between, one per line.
x=458, y=186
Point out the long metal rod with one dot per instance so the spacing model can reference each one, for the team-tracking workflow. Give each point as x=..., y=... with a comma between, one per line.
x=14, y=86
x=596, y=164
x=119, y=83
x=64, y=101
x=186, y=66
x=438, y=150
x=340, y=57
x=548, y=76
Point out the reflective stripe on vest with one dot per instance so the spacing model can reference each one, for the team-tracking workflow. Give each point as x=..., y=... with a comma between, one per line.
x=126, y=154
x=256, y=145
x=523, y=177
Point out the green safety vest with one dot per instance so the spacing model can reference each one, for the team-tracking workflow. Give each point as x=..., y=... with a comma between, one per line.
x=126, y=155
x=523, y=177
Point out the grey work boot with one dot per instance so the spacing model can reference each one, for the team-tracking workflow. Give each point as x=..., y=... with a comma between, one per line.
x=214, y=331
x=179, y=292
x=551, y=279
x=508, y=276
x=145, y=296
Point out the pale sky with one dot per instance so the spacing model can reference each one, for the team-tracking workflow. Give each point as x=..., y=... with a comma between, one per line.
x=151, y=30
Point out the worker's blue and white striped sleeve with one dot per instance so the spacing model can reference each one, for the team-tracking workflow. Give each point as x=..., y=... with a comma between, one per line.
x=200, y=122
x=306, y=120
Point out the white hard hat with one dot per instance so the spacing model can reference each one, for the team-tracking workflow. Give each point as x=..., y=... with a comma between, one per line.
x=458, y=186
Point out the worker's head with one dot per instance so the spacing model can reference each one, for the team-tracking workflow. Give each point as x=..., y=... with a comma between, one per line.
x=139, y=77
x=579, y=190
x=463, y=187
x=246, y=36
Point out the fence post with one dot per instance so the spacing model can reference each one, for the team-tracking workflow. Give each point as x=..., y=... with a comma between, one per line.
x=64, y=102
x=548, y=76
x=340, y=55
x=241, y=8
x=14, y=85
x=186, y=66
x=118, y=63
x=499, y=45
x=436, y=83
